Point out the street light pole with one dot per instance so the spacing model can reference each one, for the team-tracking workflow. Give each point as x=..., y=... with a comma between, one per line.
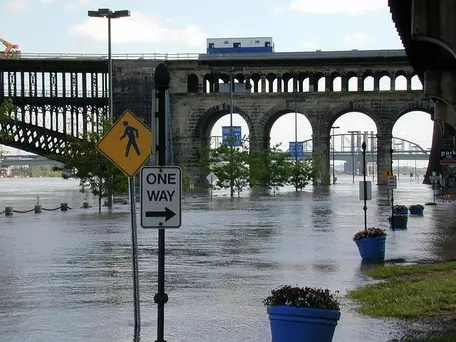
x=231, y=128
x=296, y=135
x=334, y=149
x=353, y=151
x=392, y=190
x=109, y=14
x=111, y=101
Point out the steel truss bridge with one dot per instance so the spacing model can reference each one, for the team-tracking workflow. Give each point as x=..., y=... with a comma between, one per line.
x=348, y=147
x=31, y=159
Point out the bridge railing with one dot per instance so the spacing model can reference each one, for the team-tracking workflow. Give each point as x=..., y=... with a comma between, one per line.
x=79, y=56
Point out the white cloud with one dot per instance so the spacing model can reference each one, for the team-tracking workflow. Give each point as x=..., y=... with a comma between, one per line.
x=337, y=6
x=279, y=9
x=308, y=46
x=139, y=28
x=357, y=38
x=72, y=5
x=16, y=5
x=23, y=5
x=68, y=7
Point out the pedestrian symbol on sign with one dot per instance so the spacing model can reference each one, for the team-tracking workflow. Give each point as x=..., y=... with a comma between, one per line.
x=127, y=133
x=132, y=134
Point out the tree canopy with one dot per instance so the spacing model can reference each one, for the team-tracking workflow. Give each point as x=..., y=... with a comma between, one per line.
x=270, y=168
x=97, y=174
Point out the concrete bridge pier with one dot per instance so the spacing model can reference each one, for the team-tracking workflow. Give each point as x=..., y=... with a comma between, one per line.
x=322, y=158
x=190, y=155
x=384, y=145
x=438, y=142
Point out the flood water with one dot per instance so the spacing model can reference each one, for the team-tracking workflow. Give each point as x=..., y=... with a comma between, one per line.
x=66, y=276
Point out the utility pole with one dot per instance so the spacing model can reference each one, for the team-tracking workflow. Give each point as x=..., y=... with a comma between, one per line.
x=333, y=154
x=232, y=141
x=109, y=14
x=353, y=151
x=296, y=135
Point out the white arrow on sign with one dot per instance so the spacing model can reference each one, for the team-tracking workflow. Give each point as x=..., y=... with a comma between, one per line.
x=212, y=177
x=161, y=197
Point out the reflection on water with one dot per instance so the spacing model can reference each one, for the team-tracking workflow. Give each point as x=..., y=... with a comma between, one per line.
x=66, y=276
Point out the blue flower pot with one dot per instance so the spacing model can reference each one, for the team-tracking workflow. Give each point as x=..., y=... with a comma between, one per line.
x=398, y=223
x=417, y=211
x=372, y=248
x=400, y=212
x=292, y=324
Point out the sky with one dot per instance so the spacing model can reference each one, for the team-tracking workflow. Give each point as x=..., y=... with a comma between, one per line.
x=181, y=26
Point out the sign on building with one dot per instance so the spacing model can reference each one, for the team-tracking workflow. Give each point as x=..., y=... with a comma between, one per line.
x=447, y=156
x=232, y=131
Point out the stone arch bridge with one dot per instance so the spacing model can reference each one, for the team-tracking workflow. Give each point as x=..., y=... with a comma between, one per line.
x=58, y=96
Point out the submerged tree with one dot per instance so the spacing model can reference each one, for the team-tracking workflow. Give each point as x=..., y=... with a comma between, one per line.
x=318, y=169
x=302, y=172
x=230, y=164
x=97, y=174
x=270, y=168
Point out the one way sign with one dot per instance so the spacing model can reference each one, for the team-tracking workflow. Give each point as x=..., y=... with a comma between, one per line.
x=161, y=194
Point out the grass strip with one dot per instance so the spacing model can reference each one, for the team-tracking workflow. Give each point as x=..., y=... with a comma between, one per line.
x=387, y=272
x=410, y=291
x=444, y=337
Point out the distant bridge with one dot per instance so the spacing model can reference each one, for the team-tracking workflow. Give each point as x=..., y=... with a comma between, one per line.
x=26, y=160
x=347, y=147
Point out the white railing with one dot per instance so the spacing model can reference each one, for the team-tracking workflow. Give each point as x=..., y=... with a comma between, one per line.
x=204, y=56
x=79, y=56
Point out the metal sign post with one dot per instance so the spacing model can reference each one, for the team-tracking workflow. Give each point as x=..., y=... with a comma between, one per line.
x=127, y=145
x=161, y=80
x=365, y=185
x=212, y=177
x=134, y=240
x=392, y=190
x=434, y=179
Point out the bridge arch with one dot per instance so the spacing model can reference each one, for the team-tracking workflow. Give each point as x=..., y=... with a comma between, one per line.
x=270, y=117
x=422, y=106
x=210, y=116
x=341, y=110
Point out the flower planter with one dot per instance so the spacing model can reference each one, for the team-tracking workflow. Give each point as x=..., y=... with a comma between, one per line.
x=292, y=324
x=398, y=223
x=372, y=248
x=416, y=211
x=400, y=212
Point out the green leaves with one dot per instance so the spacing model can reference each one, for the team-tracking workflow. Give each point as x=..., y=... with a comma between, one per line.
x=369, y=233
x=270, y=168
x=96, y=173
x=302, y=172
x=230, y=164
x=303, y=297
x=6, y=108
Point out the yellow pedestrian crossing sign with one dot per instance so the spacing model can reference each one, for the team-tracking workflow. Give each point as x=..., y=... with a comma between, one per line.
x=127, y=144
x=387, y=173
